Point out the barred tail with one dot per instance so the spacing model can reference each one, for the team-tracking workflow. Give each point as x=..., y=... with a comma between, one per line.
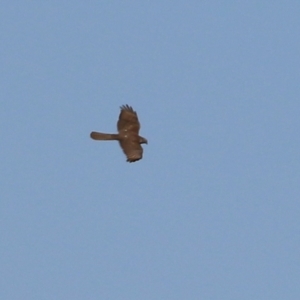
x=104, y=136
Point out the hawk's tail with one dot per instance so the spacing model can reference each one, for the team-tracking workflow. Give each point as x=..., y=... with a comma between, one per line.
x=104, y=136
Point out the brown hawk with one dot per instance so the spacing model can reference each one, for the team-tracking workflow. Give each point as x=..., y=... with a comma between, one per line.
x=128, y=127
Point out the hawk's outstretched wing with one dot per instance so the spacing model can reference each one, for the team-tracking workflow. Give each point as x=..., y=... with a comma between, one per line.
x=128, y=120
x=128, y=127
x=131, y=148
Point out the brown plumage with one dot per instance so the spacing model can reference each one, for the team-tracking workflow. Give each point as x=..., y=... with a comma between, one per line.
x=128, y=134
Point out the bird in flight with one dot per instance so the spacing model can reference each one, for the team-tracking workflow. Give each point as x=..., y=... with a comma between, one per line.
x=128, y=134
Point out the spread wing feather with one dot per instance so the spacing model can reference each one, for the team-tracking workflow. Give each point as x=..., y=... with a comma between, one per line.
x=131, y=148
x=128, y=120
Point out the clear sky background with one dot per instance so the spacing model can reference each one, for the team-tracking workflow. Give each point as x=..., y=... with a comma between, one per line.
x=212, y=211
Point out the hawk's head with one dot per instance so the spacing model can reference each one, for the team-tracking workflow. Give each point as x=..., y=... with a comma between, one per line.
x=143, y=140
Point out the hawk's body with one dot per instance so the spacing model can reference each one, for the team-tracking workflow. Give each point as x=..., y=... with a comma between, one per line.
x=128, y=127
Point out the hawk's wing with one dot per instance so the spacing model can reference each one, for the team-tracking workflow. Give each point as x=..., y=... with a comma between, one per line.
x=128, y=127
x=132, y=148
x=128, y=121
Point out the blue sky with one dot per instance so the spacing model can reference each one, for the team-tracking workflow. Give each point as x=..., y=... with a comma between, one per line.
x=212, y=211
